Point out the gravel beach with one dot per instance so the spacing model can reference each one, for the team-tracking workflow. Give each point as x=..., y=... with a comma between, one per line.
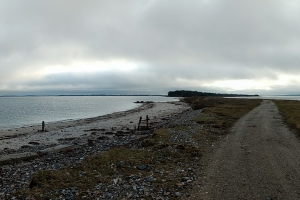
x=79, y=139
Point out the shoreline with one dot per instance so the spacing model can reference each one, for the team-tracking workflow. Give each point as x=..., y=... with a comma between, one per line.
x=3, y=130
x=60, y=124
x=106, y=125
x=23, y=112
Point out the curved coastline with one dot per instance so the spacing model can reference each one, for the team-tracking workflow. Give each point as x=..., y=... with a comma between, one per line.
x=61, y=130
x=27, y=111
x=57, y=125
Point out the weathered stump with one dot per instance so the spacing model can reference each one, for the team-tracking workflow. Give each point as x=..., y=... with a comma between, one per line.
x=43, y=126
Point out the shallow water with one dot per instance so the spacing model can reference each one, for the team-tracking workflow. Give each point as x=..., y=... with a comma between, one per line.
x=25, y=111
x=297, y=98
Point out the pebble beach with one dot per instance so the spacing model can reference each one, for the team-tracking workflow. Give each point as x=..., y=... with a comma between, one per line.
x=82, y=138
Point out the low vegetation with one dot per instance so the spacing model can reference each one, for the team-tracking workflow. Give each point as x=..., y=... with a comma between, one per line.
x=157, y=156
x=290, y=111
x=160, y=158
x=219, y=114
x=188, y=93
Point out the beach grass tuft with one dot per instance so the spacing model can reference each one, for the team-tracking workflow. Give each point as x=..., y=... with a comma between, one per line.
x=290, y=111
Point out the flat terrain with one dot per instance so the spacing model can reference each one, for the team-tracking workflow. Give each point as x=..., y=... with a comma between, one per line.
x=224, y=149
x=259, y=160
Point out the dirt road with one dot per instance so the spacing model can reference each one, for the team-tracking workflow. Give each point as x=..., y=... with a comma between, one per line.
x=259, y=160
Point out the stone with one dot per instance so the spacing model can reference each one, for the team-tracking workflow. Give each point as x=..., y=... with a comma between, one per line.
x=178, y=194
x=91, y=142
x=109, y=133
x=120, y=163
x=34, y=142
x=141, y=167
x=103, y=138
x=25, y=146
x=179, y=184
x=58, y=148
x=17, y=157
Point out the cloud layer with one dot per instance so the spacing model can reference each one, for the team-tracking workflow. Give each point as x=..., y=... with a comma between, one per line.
x=150, y=46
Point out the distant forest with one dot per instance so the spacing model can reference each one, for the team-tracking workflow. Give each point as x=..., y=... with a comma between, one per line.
x=188, y=93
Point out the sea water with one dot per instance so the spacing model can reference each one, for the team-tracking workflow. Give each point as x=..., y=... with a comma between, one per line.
x=278, y=97
x=31, y=110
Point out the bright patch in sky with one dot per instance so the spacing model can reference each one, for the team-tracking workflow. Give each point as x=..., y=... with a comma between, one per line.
x=239, y=85
x=232, y=85
x=287, y=79
x=90, y=67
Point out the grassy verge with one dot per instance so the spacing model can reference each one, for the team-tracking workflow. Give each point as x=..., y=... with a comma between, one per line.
x=290, y=111
x=219, y=115
x=161, y=164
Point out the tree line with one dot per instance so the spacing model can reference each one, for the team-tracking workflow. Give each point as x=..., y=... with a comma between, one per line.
x=188, y=93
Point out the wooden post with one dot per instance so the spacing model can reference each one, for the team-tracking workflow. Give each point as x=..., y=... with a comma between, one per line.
x=147, y=120
x=43, y=126
x=139, y=123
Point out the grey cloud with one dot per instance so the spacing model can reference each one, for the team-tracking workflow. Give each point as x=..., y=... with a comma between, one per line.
x=98, y=81
x=194, y=40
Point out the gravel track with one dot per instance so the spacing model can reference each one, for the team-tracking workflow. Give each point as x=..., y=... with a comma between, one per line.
x=259, y=160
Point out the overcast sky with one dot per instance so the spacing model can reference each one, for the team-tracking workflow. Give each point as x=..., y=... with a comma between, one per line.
x=149, y=46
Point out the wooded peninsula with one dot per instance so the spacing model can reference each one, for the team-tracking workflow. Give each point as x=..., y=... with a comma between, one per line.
x=188, y=93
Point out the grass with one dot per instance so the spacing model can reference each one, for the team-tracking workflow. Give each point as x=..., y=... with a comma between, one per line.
x=219, y=114
x=290, y=111
x=157, y=154
x=163, y=158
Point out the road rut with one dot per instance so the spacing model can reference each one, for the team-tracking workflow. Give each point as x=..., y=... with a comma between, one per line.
x=259, y=160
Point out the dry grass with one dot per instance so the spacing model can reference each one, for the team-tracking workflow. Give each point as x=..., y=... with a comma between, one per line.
x=219, y=114
x=157, y=155
x=290, y=111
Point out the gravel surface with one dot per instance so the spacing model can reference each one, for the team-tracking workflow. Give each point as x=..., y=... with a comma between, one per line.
x=259, y=160
x=18, y=175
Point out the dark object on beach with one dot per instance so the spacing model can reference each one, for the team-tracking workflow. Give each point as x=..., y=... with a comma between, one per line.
x=143, y=127
x=34, y=142
x=91, y=142
x=143, y=102
x=139, y=123
x=139, y=102
x=147, y=121
x=43, y=126
x=120, y=164
x=103, y=138
x=142, y=167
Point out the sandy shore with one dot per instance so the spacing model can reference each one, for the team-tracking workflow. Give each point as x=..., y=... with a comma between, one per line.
x=106, y=125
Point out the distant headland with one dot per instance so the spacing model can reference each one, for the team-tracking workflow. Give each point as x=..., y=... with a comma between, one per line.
x=188, y=93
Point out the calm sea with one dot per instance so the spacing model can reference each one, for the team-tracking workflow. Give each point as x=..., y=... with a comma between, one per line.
x=297, y=98
x=25, y=111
